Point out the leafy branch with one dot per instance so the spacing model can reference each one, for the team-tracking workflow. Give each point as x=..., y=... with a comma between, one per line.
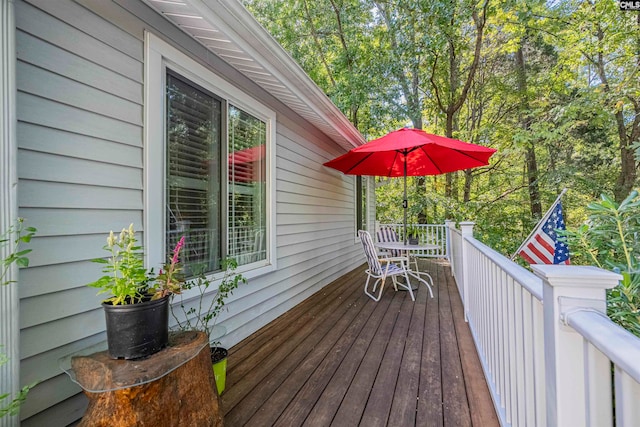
x=203, y=316
x=611, y=239
x=15, y=236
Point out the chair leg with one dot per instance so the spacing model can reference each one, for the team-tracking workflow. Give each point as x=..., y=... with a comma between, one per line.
x=406, y=277
x=395, y=283
x=420, y=279
x=375, y=285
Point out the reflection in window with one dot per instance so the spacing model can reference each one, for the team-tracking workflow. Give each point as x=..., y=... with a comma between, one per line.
x=193, y=174
x=361, y=203
x=247, y=187
x=214, y=227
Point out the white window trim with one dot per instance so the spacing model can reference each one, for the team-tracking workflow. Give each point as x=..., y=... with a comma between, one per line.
x=159, y=55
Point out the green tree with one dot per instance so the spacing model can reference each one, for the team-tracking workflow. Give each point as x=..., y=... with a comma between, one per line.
x=551, y=85
x=604, y=43
x=610, y=240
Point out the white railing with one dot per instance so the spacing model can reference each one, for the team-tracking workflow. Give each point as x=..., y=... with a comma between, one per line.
x=546, y=364
x=246, y=244
x=432, y=234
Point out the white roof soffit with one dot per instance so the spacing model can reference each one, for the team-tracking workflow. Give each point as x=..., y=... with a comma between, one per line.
x=228, y=29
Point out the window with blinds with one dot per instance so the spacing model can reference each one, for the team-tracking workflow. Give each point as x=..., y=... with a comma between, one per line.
x=198, y=140
x=193, y=178
x=247, y=186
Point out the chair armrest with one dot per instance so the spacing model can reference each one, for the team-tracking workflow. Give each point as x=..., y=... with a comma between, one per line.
x=393, y=259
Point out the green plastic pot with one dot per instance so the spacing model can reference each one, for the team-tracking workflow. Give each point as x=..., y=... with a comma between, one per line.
x=219, y=362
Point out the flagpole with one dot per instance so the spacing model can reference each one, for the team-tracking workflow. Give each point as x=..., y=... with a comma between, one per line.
x=542, y=221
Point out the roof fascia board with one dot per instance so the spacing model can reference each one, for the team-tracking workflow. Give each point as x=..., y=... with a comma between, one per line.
x=237, y=22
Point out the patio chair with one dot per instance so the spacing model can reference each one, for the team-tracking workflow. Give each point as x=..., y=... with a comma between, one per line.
x=381, y=268
x=388, y=234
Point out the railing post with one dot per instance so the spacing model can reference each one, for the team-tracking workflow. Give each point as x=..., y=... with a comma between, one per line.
x=466, y=230
x=448, y=224
x=574, y=375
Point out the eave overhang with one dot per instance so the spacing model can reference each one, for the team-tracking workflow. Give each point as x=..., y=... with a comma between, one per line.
x=227, y=28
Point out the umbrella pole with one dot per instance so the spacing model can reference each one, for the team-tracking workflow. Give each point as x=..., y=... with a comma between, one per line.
x=405, y=204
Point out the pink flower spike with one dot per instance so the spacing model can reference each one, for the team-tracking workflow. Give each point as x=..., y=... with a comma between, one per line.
x=176, y=251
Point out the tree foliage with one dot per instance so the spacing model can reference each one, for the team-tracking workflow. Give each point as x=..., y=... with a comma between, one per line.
x=610, y=239
x=555, y=88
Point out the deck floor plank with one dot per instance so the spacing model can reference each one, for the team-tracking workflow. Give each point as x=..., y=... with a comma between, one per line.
x=382, y=357
x=261, y=354
x=294, y=370
x=341, y=359
x=405, y=401
x=480, y=403
x=378, y=407
x=332, y=396
x=430, y=389
x=310, y=392
x=317, y=363
x=455, y=407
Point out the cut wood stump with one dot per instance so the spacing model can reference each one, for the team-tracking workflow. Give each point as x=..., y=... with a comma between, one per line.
x=171, y=392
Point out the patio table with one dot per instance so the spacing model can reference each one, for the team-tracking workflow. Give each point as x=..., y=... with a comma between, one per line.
x=406, y=249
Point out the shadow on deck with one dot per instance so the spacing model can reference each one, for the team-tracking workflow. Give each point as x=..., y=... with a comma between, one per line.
x=339, y=358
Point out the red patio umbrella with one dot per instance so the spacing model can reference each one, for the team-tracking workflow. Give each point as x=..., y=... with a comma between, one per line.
x=411, y=152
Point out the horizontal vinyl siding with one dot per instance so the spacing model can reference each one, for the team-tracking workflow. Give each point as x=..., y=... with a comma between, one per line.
x=80, y=137
x=315, y=229
x=80, y=171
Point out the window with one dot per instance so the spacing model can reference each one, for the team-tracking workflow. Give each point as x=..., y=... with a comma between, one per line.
x=194, y=185
x=361, y=203
x=247, y=186
x=212, y=173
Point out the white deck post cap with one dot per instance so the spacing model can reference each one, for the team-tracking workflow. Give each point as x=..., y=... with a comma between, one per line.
x=572, y=288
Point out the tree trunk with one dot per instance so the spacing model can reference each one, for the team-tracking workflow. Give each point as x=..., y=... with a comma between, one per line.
x=468, y=179
x=457, y=94
x=525, y=124
x=182, y=396
x=628, y=173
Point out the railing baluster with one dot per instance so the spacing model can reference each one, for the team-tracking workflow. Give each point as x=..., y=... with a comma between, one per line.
x=627, y=399
x=599, y=413
x=539, y=364
x=528, y=396
x=518, y=321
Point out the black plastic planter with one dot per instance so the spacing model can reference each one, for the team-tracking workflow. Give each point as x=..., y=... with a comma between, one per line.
x=137, y=330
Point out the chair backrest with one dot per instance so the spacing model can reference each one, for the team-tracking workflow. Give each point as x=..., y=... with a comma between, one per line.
x=370, y=252
x=258, y=245
x=388, y=234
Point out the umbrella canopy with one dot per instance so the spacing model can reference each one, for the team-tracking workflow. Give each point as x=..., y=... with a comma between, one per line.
x=411, y=152
x=421, y=152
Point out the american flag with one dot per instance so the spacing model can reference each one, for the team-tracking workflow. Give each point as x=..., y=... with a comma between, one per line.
x=543, y=247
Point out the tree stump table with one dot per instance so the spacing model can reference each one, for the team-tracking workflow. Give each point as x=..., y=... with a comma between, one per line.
x=174, y=387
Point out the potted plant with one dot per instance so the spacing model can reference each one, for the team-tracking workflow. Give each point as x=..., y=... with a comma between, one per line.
x=137, y=310
x=413, y=234
x=202, y=313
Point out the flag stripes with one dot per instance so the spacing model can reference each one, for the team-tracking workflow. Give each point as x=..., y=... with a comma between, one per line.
x=544, y=246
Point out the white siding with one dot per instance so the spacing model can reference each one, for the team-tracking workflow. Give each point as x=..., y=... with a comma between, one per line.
x=79, y=137
x=80, y=165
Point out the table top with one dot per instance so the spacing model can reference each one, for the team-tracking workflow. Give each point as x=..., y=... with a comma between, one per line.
x=406, y=247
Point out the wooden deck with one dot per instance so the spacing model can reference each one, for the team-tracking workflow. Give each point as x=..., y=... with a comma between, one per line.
x=341, y=359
